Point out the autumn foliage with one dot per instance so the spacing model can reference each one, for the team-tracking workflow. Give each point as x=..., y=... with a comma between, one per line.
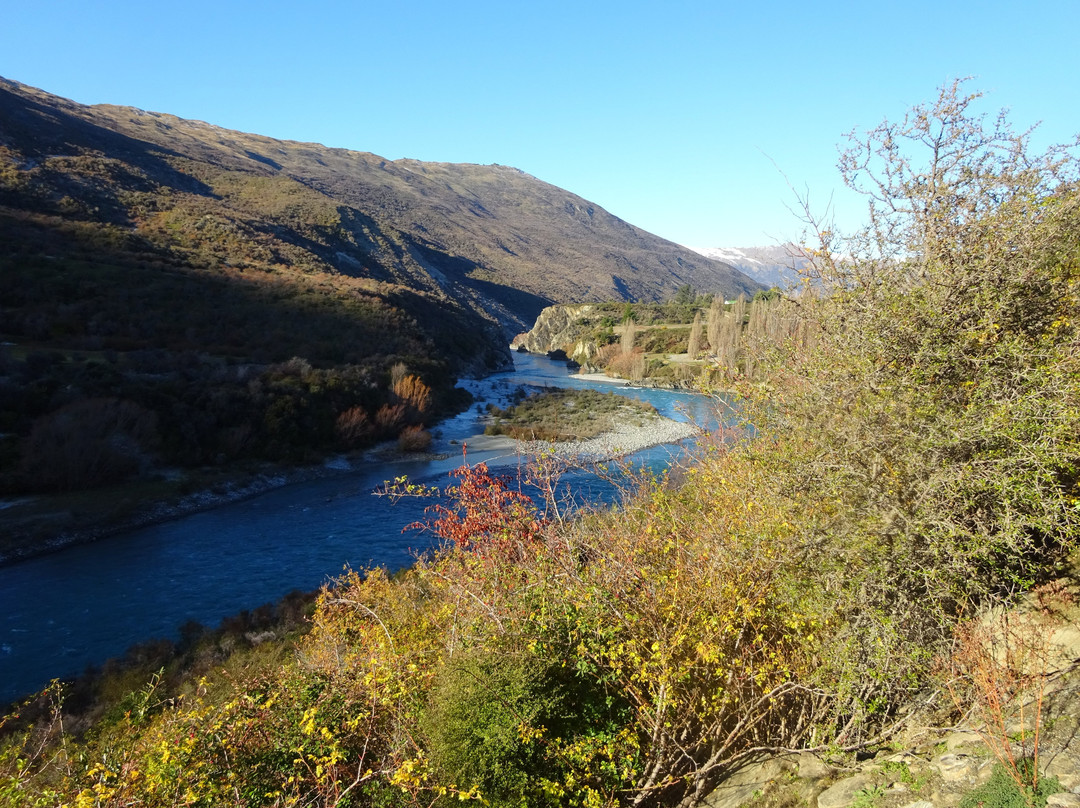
x=911, y=457
x=487, y=517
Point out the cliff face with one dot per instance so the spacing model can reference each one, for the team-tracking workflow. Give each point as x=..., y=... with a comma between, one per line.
x=562, y=328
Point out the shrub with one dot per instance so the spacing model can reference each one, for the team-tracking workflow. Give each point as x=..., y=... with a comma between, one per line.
x=1003, y=791
x=390, y=418
x=414, y=439
x=87, y=443
x=353, y=427
x=940, y=404
x=502, y=722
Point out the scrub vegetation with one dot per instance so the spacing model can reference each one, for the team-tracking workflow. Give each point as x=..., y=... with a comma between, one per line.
x=564, y=415
x=693, y=339
x=915, y=458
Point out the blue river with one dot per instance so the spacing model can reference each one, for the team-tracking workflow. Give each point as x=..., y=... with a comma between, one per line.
x=64, y=611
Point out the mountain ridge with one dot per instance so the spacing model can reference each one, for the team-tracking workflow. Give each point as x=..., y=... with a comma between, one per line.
x=471, y=231
x=778, y=265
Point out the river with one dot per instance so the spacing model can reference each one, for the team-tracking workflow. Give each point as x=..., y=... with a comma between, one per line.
x=80, y=606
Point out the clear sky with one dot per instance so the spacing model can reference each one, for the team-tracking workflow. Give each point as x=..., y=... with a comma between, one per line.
x=683, y=117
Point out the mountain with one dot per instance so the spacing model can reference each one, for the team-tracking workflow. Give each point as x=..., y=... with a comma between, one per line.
x=491, y=238
x=174, y=295
x=770, y=266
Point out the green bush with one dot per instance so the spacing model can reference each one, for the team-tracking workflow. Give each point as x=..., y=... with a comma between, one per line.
x=491, y=722
x=1003, y=791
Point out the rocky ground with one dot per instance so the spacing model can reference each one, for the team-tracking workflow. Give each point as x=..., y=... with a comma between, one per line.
x=932, y=766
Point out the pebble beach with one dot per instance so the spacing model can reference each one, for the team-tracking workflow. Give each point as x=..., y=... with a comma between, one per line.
x=626, y=438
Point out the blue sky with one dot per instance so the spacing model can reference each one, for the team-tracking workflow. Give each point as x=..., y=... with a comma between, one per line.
x=687, y=118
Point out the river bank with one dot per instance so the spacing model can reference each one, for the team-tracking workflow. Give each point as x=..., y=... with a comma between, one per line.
x=79, y=527
x=37, y=525
x=645, y=384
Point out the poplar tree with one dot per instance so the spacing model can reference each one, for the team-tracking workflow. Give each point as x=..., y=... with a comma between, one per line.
x=694, y=345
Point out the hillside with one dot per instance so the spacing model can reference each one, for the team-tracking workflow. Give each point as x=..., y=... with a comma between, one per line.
x=490, y=236
x=174, y=295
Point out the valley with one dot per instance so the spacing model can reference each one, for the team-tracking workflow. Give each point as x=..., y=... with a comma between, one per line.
x=867, y=553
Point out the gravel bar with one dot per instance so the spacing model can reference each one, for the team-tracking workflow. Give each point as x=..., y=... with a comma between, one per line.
x=626, y=438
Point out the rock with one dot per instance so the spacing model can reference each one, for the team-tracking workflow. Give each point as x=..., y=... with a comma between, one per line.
x=1065, y=800
x=1022, y=729
x=557, y=327
x=955, y=767
x=919, y=804
x=1066, y=768
x=740, y=786
x=811, y=767
x=844, y=793
x=1065, y=645
x=958, y=740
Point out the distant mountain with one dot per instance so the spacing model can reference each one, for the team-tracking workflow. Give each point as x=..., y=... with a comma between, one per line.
x=770, y=266
x=492, y=238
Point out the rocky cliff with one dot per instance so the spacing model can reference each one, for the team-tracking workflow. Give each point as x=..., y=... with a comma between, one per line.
x=563, y=328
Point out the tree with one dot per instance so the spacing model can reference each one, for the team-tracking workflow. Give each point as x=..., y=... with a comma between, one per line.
x=411, y=392
x=685, y=295
x=693, y=347
x=941, y=403
x=626, y=341
x=712, y=324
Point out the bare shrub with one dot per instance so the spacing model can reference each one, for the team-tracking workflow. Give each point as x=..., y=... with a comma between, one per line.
x=90, y=442
x=414, y=439
x=390, y=418
x=997, y=669
x=628, y=365
x=354, y=427
x=607, y=354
